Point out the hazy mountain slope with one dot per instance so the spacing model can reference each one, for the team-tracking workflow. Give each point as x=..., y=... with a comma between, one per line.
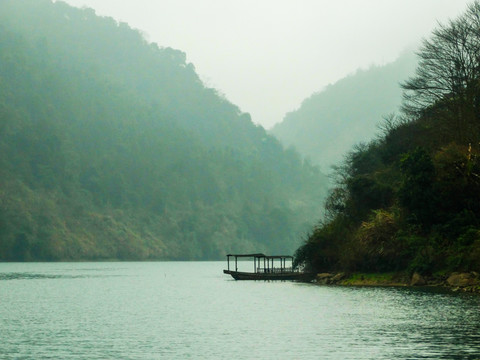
x=112, y=148
x=330, y=122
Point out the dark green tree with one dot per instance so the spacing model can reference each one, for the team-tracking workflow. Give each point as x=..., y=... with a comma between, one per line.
x=416, y=193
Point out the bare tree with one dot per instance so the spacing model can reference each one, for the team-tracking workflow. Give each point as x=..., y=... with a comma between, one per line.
x=447, y=79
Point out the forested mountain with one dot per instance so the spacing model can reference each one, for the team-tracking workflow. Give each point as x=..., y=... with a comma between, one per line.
x=331, y=121
x=410, y=199
x=112, y=148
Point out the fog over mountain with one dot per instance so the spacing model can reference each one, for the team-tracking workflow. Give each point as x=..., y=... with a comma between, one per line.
x=332, y=120
x=270, y=55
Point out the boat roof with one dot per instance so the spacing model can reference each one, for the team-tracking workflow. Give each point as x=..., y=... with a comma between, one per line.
x=260, y=255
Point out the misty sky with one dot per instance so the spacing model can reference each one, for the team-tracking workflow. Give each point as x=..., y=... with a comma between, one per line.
x=266, y=56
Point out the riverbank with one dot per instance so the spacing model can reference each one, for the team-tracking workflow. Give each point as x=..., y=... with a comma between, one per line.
x=466, y=282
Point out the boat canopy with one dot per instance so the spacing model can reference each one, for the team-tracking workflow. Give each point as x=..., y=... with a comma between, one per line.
x=268, y=262
x=259, y=255
x=247, y=255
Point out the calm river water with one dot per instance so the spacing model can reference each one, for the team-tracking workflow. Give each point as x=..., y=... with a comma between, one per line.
x=190, y=310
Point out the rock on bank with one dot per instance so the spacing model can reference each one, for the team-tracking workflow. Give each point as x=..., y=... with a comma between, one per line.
x=467, y=282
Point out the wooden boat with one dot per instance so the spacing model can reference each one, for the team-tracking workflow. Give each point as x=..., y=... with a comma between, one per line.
x=278, y=267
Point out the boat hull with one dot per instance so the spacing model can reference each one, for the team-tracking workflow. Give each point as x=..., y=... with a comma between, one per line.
x=295, y=276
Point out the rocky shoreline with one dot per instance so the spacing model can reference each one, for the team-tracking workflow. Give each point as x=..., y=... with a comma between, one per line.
x=465, y=282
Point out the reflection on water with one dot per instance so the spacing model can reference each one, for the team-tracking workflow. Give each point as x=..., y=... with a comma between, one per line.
x=184, y=310
x=33, y=276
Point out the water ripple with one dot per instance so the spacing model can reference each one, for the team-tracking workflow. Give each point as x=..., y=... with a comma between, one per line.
x=190, y=310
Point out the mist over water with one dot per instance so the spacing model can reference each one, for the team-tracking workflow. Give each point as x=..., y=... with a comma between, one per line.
x=179, y=310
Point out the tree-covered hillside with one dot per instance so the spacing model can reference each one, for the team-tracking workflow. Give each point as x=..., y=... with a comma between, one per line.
x=410, y=200
x=331, y=121
x=112, y=148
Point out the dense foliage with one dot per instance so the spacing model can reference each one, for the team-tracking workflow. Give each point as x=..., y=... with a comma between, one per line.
x=410, y=200
x=112, y=148
x=331, y=121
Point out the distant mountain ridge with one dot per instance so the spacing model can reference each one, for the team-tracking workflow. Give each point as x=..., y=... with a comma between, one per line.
x=112, y=148
x=331, y=121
